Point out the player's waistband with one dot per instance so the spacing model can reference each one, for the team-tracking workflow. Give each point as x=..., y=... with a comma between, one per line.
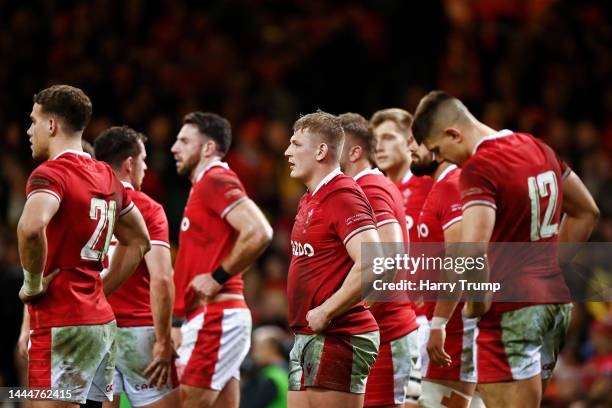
x=217, y=306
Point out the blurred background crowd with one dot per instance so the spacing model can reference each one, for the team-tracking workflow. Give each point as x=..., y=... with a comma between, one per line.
x=538, y=66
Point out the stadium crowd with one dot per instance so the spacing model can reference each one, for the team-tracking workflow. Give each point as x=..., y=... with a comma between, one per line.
x=536, y=66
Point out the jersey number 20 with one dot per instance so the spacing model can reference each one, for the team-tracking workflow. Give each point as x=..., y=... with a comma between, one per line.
x=543, y=185
x=104, y=212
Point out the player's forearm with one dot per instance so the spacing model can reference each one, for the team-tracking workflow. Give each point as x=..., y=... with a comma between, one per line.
x=577, y=229
x=32, y=243
x=25, y=321
x=162, y=300
x=445, y=309
x=124, y=262
x=347, y=296
x=251, y=243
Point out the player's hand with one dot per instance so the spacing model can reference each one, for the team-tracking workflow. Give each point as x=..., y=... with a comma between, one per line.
x=476, y=309
x=205, y=286
x=435, y=348
x=45, y=285
x=159, y=372
x=22, y=344
x=318, y=319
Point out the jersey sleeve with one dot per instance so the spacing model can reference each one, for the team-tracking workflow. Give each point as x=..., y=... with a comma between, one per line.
x=477, y=185
x=46, y=179
x=350, y=213
x=381, y=203
x=128, y=204
x=157, y=225
x=450, y=211
x=223, y=192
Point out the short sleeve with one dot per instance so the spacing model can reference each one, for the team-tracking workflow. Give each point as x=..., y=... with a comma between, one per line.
x=477, y=185
x=450, y=205
x=46, y=179
x=565, y=168
x=128, y=204
x=350, y=213
x=223, y=192
x=381, y=203
x=157, y=225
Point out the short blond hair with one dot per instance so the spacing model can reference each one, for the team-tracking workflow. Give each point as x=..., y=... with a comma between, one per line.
x=401, y=118
x=327, y=126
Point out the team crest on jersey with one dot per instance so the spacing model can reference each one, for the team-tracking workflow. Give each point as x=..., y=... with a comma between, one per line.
x=309, y=216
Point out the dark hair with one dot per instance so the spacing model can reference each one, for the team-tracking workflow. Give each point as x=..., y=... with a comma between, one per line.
x=359, y=130
x=426, y=113
x=69, y=103
x=213, y=126
x=325, y=125
x=401, y=118
x=116, y=144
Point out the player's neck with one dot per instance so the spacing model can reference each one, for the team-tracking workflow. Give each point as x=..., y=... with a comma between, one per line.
x=204, y=162
x=398, y=172
x=441, y=168
x=319, y=174
x=478, y=132
x=353, y=169
x=60, y=144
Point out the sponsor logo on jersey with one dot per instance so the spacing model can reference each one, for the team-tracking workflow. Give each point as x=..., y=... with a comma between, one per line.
x=423, y=230
x=299, y=249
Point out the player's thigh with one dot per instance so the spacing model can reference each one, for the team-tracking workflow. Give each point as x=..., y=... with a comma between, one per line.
x=229, y=397
x=194, y=397
x=298, y=399
x=320, y=397
x=115, y=403
x=445, y=393
x=53, y=404
x=57, y=353
x=170, y=400
x=525, y=393
x=134, y=355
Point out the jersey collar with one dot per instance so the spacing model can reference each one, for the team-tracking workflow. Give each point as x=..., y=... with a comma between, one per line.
x=78, y=153
x=366, y=172
x=496, y=135
x=445, y=172
x=407, y=176
x=127, y=185
x=327, y=179
x=210, y=166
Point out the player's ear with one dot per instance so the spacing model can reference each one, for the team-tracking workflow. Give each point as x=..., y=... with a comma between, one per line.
x=127, y=165
x=454, y=134
x=355, y=153
x=52, y=125
x=322, y=150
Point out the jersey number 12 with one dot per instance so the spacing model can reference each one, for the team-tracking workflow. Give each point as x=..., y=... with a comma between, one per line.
x=543, y=185
x=104, y=212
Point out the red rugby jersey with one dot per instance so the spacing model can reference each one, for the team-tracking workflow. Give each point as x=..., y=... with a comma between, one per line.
x=414, y=191
x=441, y=210
x=395, y=319
x=206, y=238
x=326, y=220
x=132, y=302
x=91, y=198
x=521, y=178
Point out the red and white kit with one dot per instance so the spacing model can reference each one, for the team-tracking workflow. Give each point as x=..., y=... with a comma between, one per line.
x=327, y=219
x=216, y=338
x=72, y=325
x=132, y=306
x=520, y=340
x=396, y=320
x=441, y=210
x=414, y=191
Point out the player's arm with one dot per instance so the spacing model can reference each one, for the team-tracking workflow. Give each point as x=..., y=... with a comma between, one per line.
x=443, y=311
x=254, y=235
x=581, y=214
x=349, y=293
x=133, y=243
x=477, y=228
x=32, y=241
x=159, y=264
x=24, y=335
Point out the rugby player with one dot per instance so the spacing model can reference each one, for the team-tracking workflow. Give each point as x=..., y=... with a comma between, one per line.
x=144, y=369
x=336, y=336
x=513, y=189
x=388, y=381
x=222, y=234
x=73, y=206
